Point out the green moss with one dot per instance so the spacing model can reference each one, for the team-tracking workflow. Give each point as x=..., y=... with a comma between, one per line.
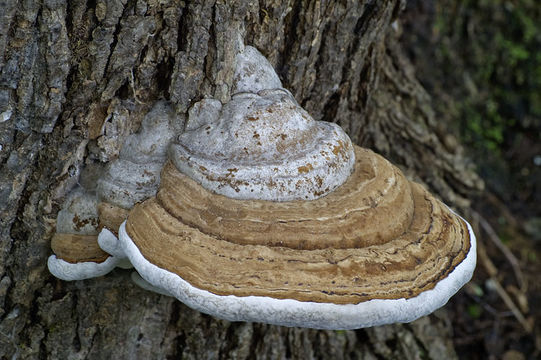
x=497, y=44
x=474, y=310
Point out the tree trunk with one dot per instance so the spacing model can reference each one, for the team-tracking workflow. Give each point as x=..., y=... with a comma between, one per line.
x=75, y=78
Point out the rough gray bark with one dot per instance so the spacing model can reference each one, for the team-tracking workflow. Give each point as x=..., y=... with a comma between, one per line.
x=75, y=78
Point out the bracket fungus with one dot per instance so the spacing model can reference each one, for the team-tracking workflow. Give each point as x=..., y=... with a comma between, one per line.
x=264, y=214
x=78, y=251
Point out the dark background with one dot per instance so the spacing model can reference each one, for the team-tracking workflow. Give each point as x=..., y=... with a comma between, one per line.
x=481, y=63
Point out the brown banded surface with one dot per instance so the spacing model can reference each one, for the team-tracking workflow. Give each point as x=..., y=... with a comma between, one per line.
x=354, y=215
x=418, y=242
x=76, y=248
x=111, y=216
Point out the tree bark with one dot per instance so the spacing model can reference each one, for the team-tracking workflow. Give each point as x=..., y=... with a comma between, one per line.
x=76, y=78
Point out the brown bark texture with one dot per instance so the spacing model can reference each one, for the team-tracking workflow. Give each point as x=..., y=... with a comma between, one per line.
x=76, y=78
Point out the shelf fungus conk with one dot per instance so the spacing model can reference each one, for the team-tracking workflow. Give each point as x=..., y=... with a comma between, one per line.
x=264, y=214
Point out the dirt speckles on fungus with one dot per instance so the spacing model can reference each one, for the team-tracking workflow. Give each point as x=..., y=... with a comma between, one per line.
x=81, y=223
x=231, y=172
x=337, y=149
x=305, y=168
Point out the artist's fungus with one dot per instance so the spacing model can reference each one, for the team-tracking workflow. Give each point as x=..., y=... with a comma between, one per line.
x=264, y=214
x=78, y=255
x=131, y=178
